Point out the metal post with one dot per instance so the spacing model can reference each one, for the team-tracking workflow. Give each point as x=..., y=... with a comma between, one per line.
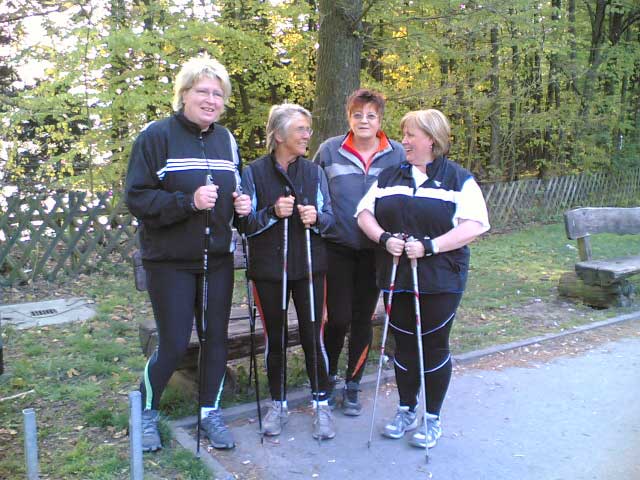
x=135, y=436
x=31, y=444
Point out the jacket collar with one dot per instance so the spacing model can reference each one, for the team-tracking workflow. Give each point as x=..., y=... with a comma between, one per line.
x=191, y=126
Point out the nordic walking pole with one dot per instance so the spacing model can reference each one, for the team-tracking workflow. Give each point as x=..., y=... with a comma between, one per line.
x=312, y=308
x=416, y=295
x=253, y=368
x=392, y=285
x=285, y=318
x=202, y=337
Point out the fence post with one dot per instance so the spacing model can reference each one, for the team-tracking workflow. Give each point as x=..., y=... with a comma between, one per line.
x=31, y=444
x=135, y=436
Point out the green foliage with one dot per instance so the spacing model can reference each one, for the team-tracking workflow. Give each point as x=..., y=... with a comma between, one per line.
x=552, y=94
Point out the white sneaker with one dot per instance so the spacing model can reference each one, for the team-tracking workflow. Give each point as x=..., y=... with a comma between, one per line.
x=434, y=432
x=404, y=421
x=275, y=418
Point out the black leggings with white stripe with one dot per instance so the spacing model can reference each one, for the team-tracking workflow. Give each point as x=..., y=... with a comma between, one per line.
x=176, y=299
x=437, y=314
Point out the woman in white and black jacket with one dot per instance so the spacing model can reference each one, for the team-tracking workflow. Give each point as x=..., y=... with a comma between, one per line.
x=183, y=175
x=439, y=204
x=284, y=184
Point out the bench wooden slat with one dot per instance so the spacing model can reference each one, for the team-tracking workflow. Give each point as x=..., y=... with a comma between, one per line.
x=607, y=272
x=603, y=282
x=581, y=222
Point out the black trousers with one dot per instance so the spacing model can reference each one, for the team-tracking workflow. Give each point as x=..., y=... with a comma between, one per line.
x=352, y=296
x=437, y=315
x=268, y=297
x=176, y=297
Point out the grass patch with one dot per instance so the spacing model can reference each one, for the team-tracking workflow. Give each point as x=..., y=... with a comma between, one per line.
x=81, y=374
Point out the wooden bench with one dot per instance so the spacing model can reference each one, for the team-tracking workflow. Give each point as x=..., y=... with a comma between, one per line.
x=604, y=282
x=238, y=337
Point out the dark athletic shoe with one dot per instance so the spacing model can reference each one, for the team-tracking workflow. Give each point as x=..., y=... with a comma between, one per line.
x=150, y=434
x=434, y=432
x=217, y=432
x=351, y=405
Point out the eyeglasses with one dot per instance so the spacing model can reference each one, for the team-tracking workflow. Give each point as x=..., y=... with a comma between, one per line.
x=301, y=130
x=371, y=117
x=204, y=93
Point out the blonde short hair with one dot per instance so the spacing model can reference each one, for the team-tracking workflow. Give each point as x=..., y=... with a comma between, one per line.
x=435, y=124
x=280, y=117
x=193, y=71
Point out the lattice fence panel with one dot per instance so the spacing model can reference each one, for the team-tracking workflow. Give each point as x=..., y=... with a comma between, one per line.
x=63, y=234
x=75, y=232
x=512, y=204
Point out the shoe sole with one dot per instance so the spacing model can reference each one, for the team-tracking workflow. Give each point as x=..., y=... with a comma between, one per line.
x=222, y=446
x=351, y=411
x=396, y=436
x=323, y=437
x=155, y=448
x=417, y=444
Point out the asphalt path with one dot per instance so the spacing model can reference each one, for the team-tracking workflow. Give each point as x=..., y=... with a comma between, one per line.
x=568, y=411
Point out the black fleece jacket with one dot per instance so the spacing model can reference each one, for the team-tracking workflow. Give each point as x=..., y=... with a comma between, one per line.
x=169, y=161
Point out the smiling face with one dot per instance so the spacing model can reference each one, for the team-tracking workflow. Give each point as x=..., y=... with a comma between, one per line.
x=204, y=102
x=418, y=146
x=296, y=140
x=364, y=121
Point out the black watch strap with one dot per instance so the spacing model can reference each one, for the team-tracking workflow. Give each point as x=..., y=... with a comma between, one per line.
x=383, y=239
x=428, y=246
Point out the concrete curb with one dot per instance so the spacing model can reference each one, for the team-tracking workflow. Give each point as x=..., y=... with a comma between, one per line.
x=300, y=396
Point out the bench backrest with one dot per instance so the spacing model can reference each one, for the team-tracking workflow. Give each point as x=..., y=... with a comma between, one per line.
x=581, y=222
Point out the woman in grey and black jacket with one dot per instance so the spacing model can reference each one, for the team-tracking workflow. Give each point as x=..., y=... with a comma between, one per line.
x=352, y=162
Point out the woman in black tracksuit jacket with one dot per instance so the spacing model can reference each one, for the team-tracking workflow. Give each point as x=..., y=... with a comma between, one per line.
x=168, y=192
x=437, y=208
x=284, y=184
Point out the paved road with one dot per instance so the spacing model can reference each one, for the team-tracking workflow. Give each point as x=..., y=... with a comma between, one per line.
x=574, y=417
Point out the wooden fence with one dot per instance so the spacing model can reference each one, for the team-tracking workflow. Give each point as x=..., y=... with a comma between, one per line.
x=512, y=204
x=71, y=233
x=68, y=234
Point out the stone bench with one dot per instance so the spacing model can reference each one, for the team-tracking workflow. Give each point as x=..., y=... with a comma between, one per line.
x=601, y=282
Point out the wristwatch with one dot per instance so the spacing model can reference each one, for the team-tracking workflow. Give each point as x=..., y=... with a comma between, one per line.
x=383, y=239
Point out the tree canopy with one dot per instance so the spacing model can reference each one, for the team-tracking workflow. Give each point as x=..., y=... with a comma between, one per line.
x=531, y=88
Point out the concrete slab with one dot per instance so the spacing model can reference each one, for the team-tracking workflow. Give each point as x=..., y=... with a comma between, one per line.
x=50, y=312
x=574, y=418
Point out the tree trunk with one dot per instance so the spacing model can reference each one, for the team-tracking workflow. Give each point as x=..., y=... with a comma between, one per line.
x=494, y=115
x=338, y=73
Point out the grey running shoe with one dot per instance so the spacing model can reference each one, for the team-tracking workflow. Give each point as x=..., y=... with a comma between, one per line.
x=332, y=392
x=217, y=432
x=275, y=418
x=323, y=426
x=150, y=434
x=351, y=405
x=404, y=421
x=434, y=432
